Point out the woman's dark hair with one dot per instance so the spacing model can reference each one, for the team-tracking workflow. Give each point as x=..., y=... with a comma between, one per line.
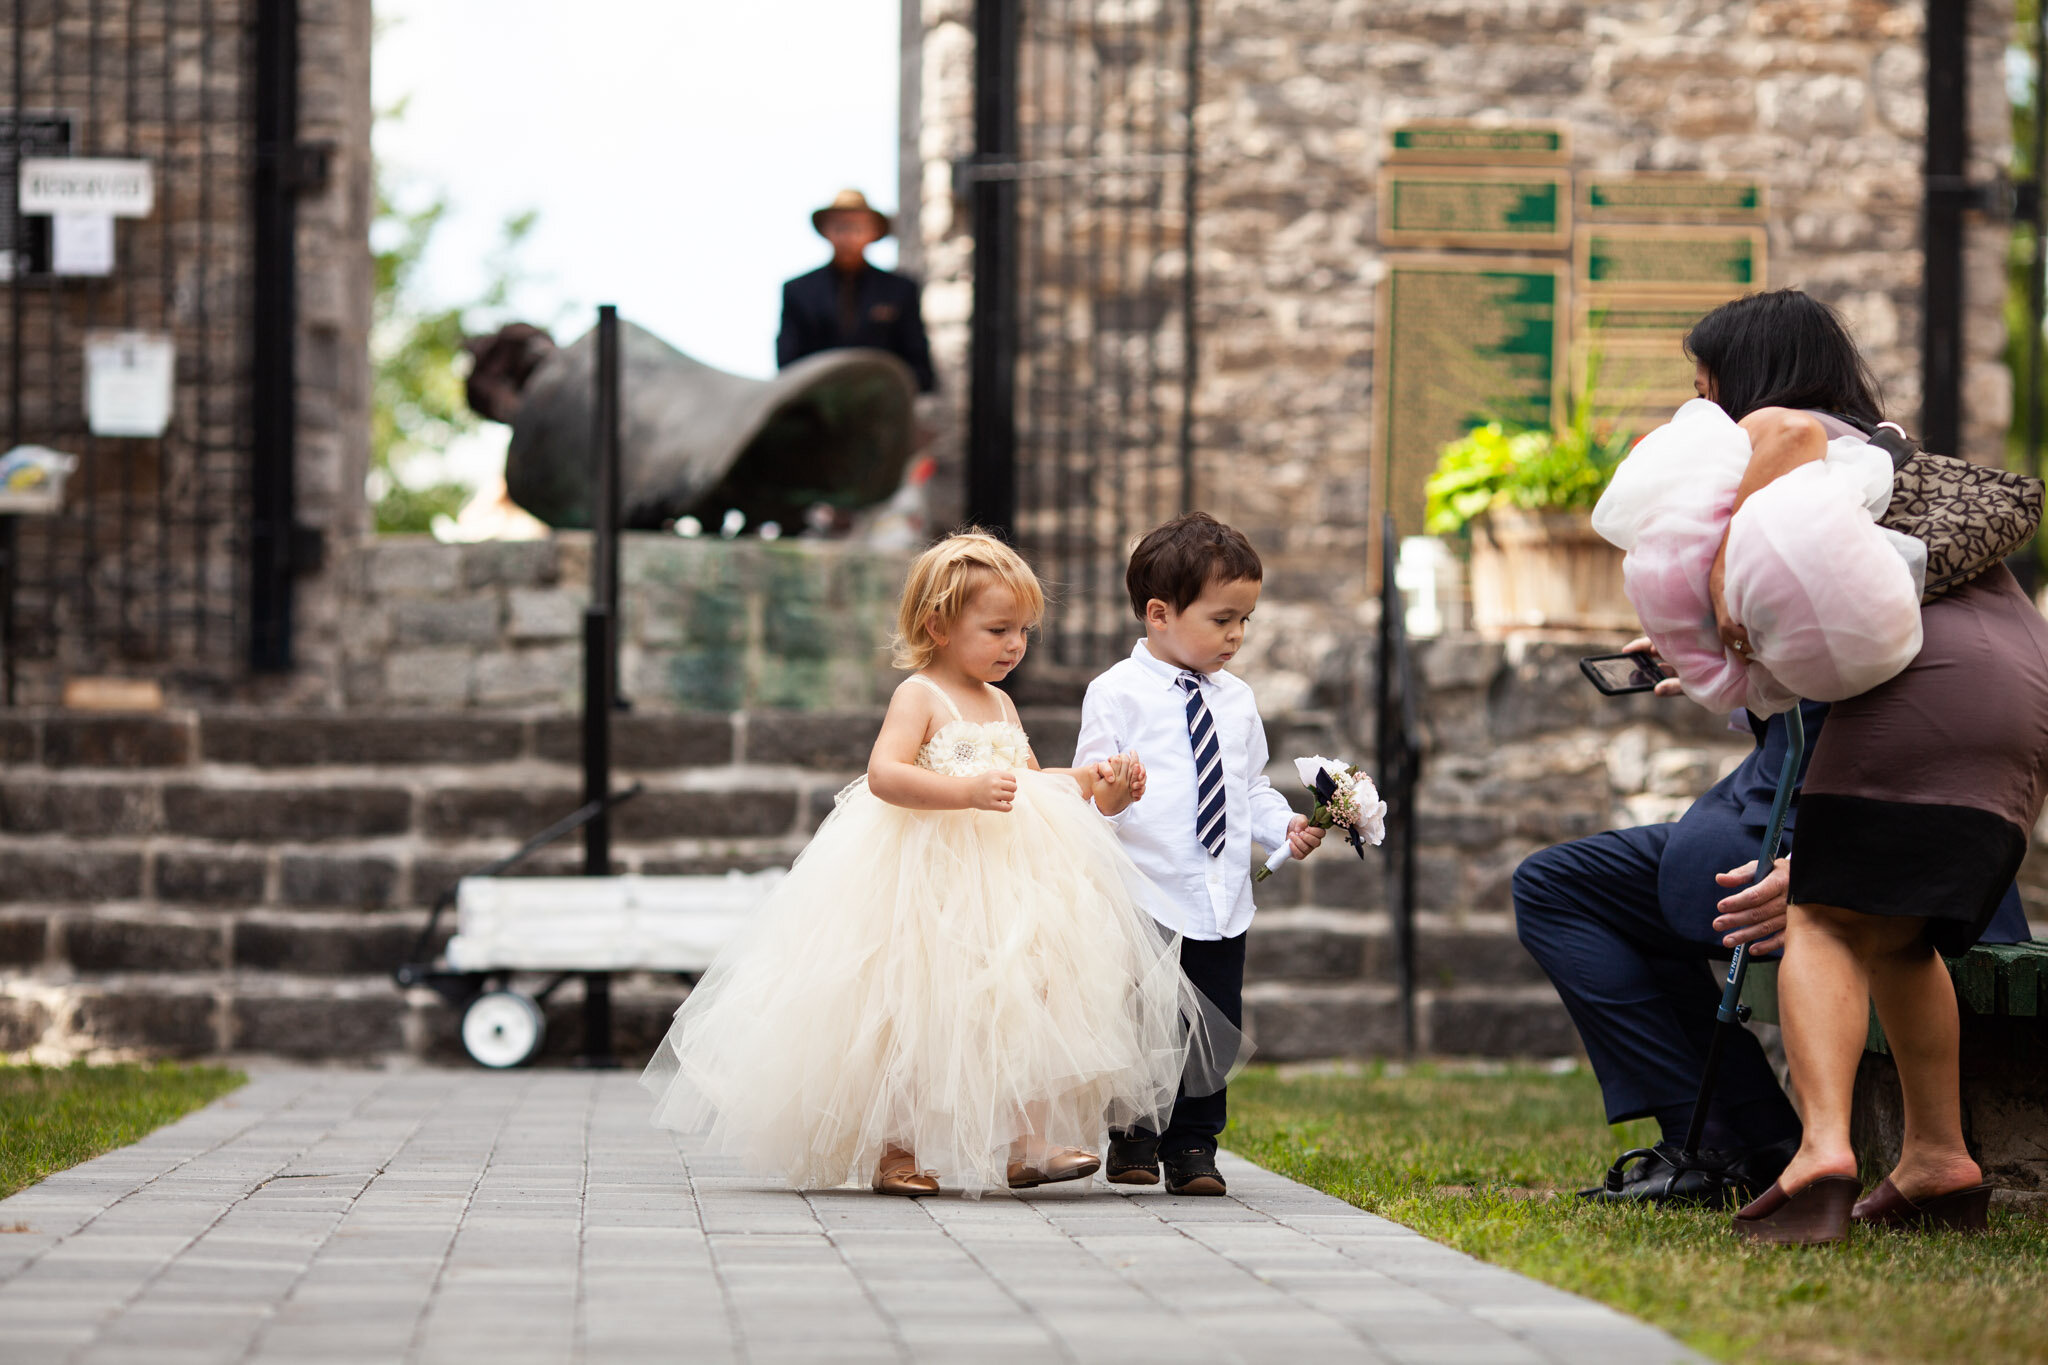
x=1783, y=349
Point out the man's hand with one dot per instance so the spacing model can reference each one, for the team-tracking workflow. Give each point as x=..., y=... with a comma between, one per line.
x=1302, y=837
x=991, y=790
x=1670, y=687
x=1756, y=914
x=1137, y=770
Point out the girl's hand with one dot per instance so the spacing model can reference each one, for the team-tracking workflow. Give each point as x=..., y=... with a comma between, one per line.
x=1302, y=837
x=1112, y=784
x=991, y=790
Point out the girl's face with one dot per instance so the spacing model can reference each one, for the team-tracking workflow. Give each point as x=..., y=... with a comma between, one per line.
x=986, y=641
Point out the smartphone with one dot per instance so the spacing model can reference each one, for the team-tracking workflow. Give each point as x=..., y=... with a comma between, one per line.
x=1618, y=674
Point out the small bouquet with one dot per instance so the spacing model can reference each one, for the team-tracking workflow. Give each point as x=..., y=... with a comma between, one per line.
x=1346, y=799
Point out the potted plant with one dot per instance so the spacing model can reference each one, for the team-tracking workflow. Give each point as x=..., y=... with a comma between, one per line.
x=1524, y=496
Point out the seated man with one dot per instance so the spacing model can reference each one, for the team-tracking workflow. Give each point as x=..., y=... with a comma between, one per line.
x=1623, y=923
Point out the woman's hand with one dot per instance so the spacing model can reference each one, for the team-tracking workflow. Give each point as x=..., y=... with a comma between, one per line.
x=1302, y=837
x=1670, y=687
x=991, y=790
x=1756, y=914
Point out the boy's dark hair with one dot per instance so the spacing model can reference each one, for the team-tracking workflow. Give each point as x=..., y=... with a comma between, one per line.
x=1783, y=349
x=1176, y=561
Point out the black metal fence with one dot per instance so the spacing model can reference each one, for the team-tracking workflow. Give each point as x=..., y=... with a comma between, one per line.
x=1083, y=189
x=146, y=568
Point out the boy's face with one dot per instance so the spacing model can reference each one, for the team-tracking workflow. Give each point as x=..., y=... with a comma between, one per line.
x=1207, y=634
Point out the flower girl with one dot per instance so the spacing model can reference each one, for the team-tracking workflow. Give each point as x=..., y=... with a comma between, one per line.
x=958, y=983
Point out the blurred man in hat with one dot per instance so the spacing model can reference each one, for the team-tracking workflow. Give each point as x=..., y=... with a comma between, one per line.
x=851, y=303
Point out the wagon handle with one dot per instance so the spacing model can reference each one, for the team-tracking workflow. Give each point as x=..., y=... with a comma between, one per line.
x=568, y=824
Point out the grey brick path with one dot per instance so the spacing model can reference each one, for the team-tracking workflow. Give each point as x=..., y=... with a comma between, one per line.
x=462, y=1216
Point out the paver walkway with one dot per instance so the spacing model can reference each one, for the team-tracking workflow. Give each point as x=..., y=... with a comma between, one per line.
x=536, y=1216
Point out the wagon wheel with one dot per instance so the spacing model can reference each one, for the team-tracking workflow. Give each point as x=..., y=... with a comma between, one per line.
x=503, y=1028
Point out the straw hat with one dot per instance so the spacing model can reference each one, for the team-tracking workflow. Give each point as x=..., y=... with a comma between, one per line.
x=850, y=201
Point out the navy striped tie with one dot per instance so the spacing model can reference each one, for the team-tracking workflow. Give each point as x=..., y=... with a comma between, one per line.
x=1208, y=767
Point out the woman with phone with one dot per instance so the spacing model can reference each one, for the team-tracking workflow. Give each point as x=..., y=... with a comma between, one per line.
x=1915, y=813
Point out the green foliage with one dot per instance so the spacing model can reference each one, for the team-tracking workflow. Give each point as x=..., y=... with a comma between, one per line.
x=54, y=1117
x=1498, y=465
x=1486, y=1162
x=416, y=356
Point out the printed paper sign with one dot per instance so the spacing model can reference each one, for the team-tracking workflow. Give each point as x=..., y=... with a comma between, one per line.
x=82, y=244
x=129, y=379
x=80, y=184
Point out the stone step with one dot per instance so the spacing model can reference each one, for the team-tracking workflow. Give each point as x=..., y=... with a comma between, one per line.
x=1291, y=1021
x=54, y=1015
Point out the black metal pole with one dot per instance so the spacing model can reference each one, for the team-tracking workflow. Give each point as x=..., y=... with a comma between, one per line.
x=1191, y=167
x=1946, y=196
x=992, y=379
x=272, y=364
x=600, y=665
x=1396, y=759
x=2037, y=281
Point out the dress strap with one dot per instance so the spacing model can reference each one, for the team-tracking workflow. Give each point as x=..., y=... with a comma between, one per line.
x=921, y=678
x=1007, y=707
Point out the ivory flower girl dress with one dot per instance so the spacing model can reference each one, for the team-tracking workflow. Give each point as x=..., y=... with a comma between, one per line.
x=947, y=981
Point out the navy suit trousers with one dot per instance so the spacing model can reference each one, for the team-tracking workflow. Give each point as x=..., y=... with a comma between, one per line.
x=1622, y=922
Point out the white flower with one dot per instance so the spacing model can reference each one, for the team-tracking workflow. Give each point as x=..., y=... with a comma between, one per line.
x=1371, y=823
x=1308, y=768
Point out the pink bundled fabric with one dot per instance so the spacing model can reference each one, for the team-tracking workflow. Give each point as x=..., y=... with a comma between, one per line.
x=1827, y=599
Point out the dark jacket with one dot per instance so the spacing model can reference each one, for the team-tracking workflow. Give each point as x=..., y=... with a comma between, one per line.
x=890, y=318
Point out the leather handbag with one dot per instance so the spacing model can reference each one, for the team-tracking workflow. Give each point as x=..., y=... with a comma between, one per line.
x=1970, y=516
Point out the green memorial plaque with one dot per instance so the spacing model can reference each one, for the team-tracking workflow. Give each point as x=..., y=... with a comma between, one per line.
x=1666, y=198
x=1450, y=140
x=1691, y=260
x=1463, y=340
x=1478, y=207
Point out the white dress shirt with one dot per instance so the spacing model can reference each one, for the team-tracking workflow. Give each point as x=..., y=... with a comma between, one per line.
x=1139, y=705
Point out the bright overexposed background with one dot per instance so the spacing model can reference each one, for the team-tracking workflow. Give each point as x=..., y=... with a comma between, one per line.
x=674, y=150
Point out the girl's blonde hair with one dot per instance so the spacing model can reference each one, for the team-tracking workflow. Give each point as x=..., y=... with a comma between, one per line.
x=945, y=578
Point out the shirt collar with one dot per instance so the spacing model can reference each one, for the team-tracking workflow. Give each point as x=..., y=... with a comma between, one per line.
x=1163, y=670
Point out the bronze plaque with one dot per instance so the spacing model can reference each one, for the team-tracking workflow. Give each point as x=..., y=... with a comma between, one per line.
x=1670, y=198
x=1482, y=207
x=1457, y=141
x=1463, y=340
x=1720, y=262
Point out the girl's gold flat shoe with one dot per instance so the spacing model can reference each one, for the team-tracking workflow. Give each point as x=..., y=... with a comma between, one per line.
x=902, y=1177
x=1057, y=1164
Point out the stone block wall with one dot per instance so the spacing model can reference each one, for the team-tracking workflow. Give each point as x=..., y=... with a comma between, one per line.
x=1822, y=99
x=245, y=880
x=705, y=624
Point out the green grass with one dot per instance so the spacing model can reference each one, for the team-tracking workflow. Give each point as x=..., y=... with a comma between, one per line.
x=1486, y=1162
x=54, y=1117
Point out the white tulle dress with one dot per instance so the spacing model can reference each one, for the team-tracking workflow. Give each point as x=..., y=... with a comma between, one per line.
x=947, y=981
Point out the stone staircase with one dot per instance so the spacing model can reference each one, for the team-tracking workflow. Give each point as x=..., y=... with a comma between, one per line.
x=224, y=881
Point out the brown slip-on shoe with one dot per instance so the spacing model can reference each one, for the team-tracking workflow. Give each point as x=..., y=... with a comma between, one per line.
x=1964, y=1210
x=1814, y=1216
x=1058, y=1164
x=901, y=1176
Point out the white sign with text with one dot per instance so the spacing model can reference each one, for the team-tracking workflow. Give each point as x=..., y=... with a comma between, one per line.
x=81, y=184
x=130, y=383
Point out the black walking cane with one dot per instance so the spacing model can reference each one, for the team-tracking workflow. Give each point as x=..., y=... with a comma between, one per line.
x=1732, y=1013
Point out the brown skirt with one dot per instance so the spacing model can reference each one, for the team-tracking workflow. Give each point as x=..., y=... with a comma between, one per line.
x=1923, y=792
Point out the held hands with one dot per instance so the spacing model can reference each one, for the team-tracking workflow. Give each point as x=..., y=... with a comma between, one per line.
x=1670, y=687
x=1302, y=837
x=1118, y=782
x=995, y=790
x=1756, y=914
